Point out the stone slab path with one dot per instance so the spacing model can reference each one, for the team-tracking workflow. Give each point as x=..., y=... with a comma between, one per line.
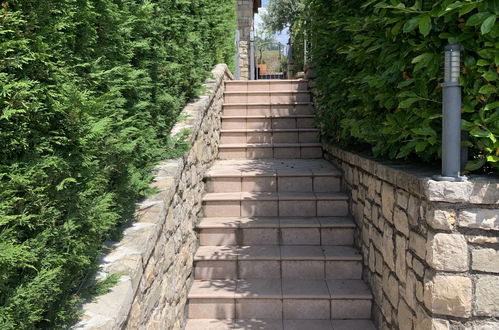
x=276, y=240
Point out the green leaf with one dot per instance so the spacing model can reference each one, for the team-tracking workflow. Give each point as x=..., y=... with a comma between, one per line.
x=482, y=62
x=411, y=24
x=490, y=75
x=408, y=102
x=493, y=159
x=487, y=89
x=493, y=105
x=466, y=9
x=475, y=164
x=425, y=25
x=405, y=83
x=488, y=24
x=424, y=131
x=425, y=58
x=479, y=133
x=477, y=19
x=421, y=146
x=396, y=28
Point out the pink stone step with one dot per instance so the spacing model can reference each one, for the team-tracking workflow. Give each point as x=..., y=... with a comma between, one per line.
x=266, y=85
x=272, y=324
x=267, y=122
x=247, y=204
x=273, y=97
x=268, y=109
x=276, y=231
x=272, y=261
x=292, y=181
x=279, y=299
x=279, y=136
x=270, y=150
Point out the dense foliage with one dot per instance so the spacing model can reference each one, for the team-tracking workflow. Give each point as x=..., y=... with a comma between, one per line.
x=281, y=14
x=89, y=91
x=379, y=64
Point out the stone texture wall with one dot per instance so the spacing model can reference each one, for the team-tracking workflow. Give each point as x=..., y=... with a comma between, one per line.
x=155, y=256
x=430, y=249
x=244, y=24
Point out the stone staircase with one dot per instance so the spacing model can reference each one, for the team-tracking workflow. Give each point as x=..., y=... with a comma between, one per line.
x=276, y=241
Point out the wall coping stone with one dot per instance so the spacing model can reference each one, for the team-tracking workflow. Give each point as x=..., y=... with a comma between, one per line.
x=131, y=254
x=417, y=180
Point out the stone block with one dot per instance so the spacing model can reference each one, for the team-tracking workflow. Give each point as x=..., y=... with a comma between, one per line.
x=441, y=219
x=450, y=192
x=481, y=239
x=487, y=296
x=487, y=219
x=372, y=258
x=388, y=247
x=401, y=222
x=400, y=264
x=387, y=201
x=447, y=252
x=486, y=325
x=111, y=310
x=402, y=199
x=410, y=289
x=417, y=243
x=379, y=262
x=413, y=210
x=449, y=295
x=405, y=317
x=391, y=288
x=376, y=237
x=486, y=260
x=423, y=320
x=386, y=309
x=440, y=324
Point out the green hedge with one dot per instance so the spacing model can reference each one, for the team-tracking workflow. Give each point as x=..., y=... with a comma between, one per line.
x=90, y=90
x=379, y=65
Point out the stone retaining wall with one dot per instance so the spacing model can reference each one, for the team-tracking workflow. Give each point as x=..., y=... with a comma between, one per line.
x=430, y=249
x=155, y=256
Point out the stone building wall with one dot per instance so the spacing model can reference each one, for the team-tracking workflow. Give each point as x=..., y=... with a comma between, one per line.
x=430, y=249
x=155, y=256
x=245, y=11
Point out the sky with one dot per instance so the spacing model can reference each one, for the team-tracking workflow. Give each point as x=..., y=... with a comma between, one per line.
x=281, y=37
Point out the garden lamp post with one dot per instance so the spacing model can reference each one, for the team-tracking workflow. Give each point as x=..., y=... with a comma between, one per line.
x=451, y=128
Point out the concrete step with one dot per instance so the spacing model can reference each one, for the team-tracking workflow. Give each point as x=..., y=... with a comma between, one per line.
x=267, y=122
x=276, y=231
x=279, y=299
x=266, y=204
x=270, y=150
x=289, y=135
x=273, y=324
x=268, y=109
x=266, y=85
x=300, y=262
x=272, y=97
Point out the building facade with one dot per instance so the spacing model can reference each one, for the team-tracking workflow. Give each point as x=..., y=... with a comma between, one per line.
x=245, y=12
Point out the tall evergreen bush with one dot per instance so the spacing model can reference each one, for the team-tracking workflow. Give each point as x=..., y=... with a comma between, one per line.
x=379, y=64
x=89, y=92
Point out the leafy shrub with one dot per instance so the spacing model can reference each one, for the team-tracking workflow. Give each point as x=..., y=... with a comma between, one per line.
x=90, y=90
x=379, y=64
